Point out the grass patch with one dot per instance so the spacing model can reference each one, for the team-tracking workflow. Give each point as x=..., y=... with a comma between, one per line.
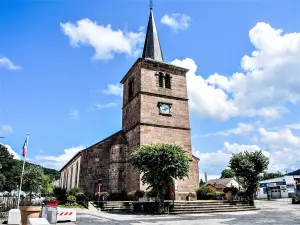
x=71, y=207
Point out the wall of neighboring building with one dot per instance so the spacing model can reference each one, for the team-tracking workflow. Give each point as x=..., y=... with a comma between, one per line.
x=69, y=176
x=281, y=187
x=234, y=183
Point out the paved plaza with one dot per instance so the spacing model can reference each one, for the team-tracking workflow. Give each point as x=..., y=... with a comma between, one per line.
x=272, y=212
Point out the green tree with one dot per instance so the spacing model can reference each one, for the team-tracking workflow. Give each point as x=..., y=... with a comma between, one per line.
x=33, y=179
x=11, y=169
x=47, y=188
x=201, y=183
x=247, y=166
x=2, y=181
x=227, y=173
x=159, y=165
x=267, y=176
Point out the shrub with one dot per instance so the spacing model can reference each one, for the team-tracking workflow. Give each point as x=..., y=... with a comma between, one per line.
x=139, y=194
x=204, y=190
x=151, y=194
x=60, y=193
x=71, y=199
x=130, y=196
x=75, y=190
x=192, y=195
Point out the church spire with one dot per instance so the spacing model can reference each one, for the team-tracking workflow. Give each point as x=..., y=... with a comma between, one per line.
x=152, y=47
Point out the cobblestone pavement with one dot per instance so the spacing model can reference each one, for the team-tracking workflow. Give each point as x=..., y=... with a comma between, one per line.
x=272, y=212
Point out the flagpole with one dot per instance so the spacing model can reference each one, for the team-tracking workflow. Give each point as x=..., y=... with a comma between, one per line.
x=22, y=173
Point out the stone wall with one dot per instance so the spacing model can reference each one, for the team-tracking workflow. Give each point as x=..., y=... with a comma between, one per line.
x=69, y=177
x=101, y=161
x=150, y=112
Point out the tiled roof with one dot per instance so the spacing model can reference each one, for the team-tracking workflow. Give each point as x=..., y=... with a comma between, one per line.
x=224, y=181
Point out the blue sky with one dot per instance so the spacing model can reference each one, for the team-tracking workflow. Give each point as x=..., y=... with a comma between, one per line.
x=61, y=62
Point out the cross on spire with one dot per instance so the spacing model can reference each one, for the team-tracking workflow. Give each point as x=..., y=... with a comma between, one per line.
x=151, y=4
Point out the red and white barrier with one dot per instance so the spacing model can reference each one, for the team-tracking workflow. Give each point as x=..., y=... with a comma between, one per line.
x=66, y=214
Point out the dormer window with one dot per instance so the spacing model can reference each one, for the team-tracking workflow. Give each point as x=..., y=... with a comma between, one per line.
x=164, y=80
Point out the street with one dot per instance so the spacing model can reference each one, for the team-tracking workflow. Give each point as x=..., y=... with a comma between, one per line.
x=272, y=212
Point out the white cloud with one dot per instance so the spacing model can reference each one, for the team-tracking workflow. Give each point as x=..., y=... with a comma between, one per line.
x=176, y=21
x=240, y=129
x=214, y=162
x=114, y=89
x=269, y=81
x=59, y=161
x=104, y=106
x=11, y=151
x=283, y=137
x=7, y=64
x=6, y=129
x=105, y=41
x=74, y=114
x=293, y=126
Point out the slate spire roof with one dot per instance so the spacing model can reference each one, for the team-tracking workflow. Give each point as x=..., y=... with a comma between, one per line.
x=152, y=47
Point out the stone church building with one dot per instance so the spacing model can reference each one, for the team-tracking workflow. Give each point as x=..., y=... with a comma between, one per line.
x=155, y=110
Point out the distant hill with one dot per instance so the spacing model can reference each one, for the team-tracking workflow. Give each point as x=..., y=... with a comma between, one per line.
x=52, y=173
x=294, y=173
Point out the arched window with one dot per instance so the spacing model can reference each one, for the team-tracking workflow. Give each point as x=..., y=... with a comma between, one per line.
x=168, y=81
x=161, y=80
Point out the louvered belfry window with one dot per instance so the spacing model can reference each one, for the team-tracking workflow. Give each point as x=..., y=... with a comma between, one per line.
x=168, y=81
x=161, y=80
x=164, y=80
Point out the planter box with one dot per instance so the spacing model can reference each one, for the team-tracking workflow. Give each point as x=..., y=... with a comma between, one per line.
x=51, y=203
x=28, y=212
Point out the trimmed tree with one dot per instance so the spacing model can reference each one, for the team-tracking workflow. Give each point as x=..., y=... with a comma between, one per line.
x=227, y=173
x=159, y=165
x=247, y=166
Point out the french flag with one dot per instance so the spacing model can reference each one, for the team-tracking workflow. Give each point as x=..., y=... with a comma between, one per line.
x=25, y=148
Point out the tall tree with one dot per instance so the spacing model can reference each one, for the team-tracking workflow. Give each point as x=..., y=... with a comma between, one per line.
x=247, y=166
x=227, y=173
x=33, y=179
x=9, y=169
x=159, y=165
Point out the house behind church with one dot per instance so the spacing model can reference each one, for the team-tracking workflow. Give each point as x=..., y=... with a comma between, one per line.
x=155, y=110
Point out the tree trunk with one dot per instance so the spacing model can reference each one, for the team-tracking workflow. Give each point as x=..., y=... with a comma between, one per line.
x=30, y=196
x=251, y=199
x=161, y=198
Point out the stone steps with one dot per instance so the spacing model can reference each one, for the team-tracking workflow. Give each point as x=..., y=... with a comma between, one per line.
x=206, y=207
x=187, y=207
x=250, y=208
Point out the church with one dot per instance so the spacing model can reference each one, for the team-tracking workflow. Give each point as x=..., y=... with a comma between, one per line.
x=155, y=110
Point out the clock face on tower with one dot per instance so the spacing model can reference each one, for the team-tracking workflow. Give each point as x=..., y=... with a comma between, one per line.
x=164, y=108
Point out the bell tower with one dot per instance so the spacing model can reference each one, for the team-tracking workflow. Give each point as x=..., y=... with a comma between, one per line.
x=155, y=108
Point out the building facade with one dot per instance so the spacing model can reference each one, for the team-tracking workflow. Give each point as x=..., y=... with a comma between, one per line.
x=281, y=187
x=219, y=184
x=155, y=110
